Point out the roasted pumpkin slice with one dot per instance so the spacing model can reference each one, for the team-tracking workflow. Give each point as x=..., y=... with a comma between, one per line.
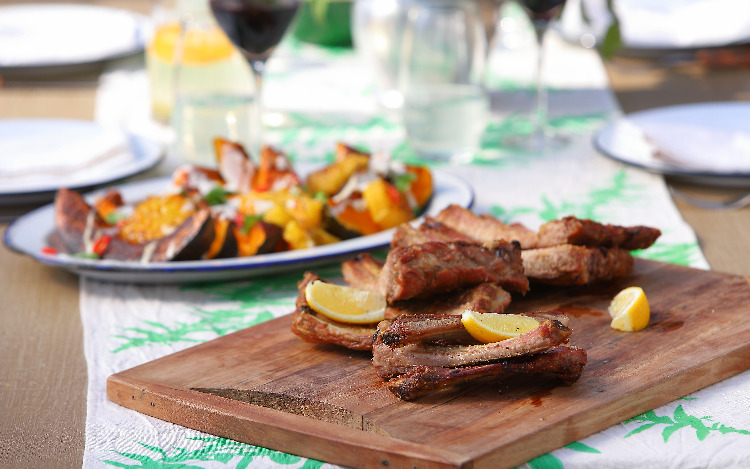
x=331, y=179
x=421, y=187
x=156, y=217
x=388, y=207
x=260, y=238
x=224, y=244
x=346, y=221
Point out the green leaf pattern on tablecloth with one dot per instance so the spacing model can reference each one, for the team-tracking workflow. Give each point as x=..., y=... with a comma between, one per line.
x=222, y=450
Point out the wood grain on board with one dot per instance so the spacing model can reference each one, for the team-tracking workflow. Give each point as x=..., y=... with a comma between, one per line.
x=264, y=386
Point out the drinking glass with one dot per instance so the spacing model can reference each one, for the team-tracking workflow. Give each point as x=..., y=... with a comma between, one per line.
x=541, y=13
x=445, y=105
x=256, y=27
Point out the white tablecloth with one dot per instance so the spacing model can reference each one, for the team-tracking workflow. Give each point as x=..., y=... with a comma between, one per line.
x=127, y=325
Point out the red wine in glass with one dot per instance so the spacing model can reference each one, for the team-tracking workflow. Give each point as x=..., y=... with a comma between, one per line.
x=256, y=27
x=541, y=13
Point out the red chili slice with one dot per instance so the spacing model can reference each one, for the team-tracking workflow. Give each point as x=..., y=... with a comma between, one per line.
x=101, y=244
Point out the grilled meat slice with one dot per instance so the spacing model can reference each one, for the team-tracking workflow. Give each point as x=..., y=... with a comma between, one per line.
x=571, y=230
x=441, y=329
x=316, y=328
x=363, y=272
x=564, y=362
x=569, y=265
x=391, y=361
x=429, y=230
x=484, y=297
x=433, y=268
x=485, y=228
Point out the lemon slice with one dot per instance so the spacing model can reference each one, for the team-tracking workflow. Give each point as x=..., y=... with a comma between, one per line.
x=629, y=310
x=494, y=327
x=345, y=304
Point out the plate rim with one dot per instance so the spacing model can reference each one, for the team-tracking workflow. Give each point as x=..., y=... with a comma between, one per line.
x=199, y=270
x=139, y=45
x=150, y=154
x=722, y=178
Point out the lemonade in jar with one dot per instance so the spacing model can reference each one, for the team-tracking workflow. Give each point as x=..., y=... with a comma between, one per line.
x=199, y=82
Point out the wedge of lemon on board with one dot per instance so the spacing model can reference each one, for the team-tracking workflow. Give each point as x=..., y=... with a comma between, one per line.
x=630, y=310
x=494, y=327
x=345, y=304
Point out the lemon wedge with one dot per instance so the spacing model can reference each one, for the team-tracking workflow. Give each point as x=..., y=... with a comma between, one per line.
x=630, y=310
x=494, y=327
x=345, y=304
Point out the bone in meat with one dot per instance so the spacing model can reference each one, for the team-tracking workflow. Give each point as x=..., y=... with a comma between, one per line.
x=439, y=328
x=485, y=228
x=316, y=328
x=569, y=265
x=429, y=230
x=431, y=268
x=391, y=361
x=564, y=362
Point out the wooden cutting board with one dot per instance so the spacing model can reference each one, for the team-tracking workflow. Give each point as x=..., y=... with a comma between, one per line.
x=268, y=388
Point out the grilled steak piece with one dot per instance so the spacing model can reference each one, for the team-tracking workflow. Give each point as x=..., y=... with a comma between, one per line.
x=429, y=230
x=316, y=328
x=363, y=272
x=433, y=268
x=571, y=230
x=485, y=228
x=569, y=265
x=441, y=329
x=564, y=362
x=391, y=361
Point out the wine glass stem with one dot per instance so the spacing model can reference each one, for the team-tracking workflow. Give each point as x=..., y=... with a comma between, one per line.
x=256, y=123
x=539, y=118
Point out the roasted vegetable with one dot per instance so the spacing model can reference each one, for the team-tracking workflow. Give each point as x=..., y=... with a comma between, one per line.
x=388, y=207
x=224, y=244
x=331, y=179
x=259, y=238
x=80, y=227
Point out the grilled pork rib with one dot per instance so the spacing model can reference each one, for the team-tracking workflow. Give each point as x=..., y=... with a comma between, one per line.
x=432, y=268
x=390, y=361
x=316, y=328
x=446, y=329
x=564, y=362
x=575, y=265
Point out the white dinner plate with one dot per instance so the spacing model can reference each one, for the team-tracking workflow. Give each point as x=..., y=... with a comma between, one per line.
x=39, y=156
x=653, y=28
x=704, y=143
x=28, y=235
x=54, y=35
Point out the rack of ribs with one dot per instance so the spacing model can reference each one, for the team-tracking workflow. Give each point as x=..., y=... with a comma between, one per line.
x=420, y=354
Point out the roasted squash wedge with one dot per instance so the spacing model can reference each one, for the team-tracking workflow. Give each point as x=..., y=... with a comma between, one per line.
x=331, y=179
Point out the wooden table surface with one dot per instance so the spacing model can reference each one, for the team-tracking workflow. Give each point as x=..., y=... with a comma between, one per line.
x=42, y=366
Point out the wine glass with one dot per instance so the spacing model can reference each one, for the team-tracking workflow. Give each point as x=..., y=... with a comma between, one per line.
x=256, y=27
x=541, y=13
